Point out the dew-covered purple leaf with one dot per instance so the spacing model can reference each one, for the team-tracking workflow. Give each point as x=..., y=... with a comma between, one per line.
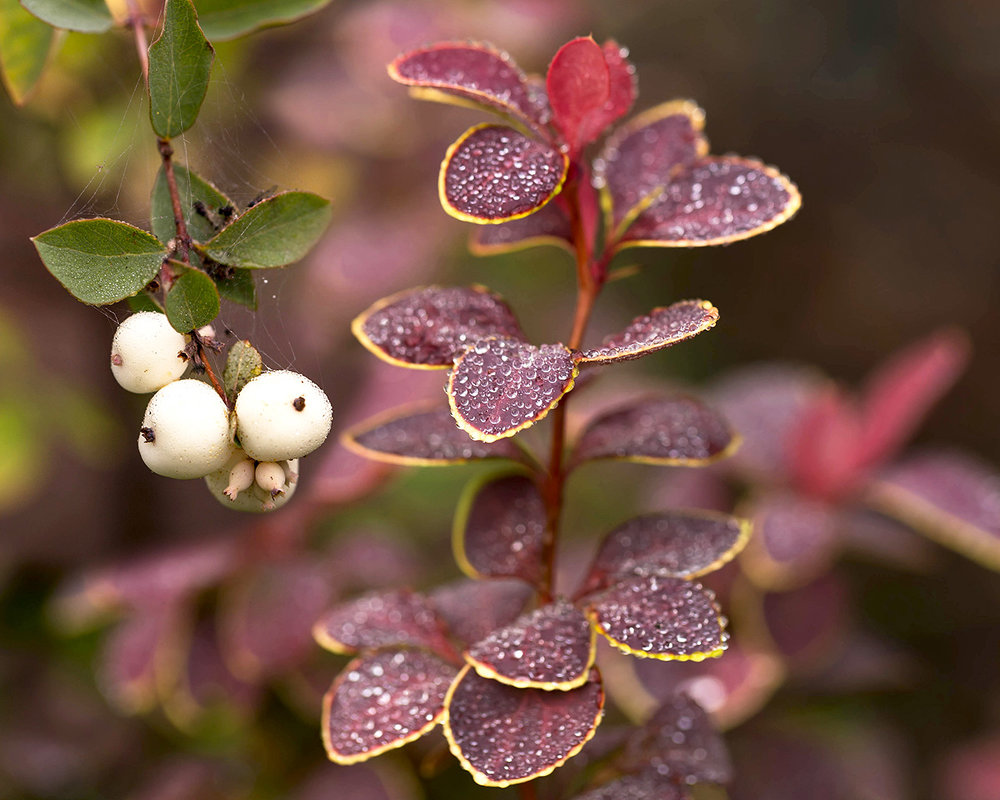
x=502, y=386
x=683, y=544
x=494, y=174
x=638, y=159
x=715, y=200
x=662, y=327
x=660, y=617
x=472, y=609
x=504, y=735
x=382, y=701
x=548, y=225
x=429, y=327
x=471, y=72
x=671, y=431
x=952, y=498
x=549, y=648
x=391, y=619
x=422, y=438
x=499, y=529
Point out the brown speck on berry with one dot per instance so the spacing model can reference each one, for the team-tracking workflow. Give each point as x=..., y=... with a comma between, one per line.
x=299, y=403
x=148, y=435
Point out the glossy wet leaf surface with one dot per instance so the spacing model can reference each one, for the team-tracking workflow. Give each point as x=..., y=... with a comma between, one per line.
x=180, y=61
x=661, y=328
x=500, y=529
x=551, y=647
x=473, y=609
x=243, y=364
x=227, y=19
x=434, y=325
x=505, y=735
x=193, y=191
x=192, y=301
x=377, y=620
x=548, y=225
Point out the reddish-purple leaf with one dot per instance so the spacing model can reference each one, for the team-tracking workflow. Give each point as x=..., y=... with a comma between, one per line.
x=680, y=742
x=683, y=544
x=548, y=225
x=794, y=539
x=471, y=72
x=952, y=498
x=638, y=160
x=502, y=386
x=549, y=648
x=494, y=174
x=422, y=438
x=660, y=617
x=504, y=735
x=382, y=701
x=362, y=781
x=472, y=609
x=131, y=655
x=647, y=785
x=391, y=619
x=807, y=623
x=715, y=200
x=499, y=529
x=823, y=447
x=429, y=327
x=661, y=328
x=970, y=771
x=676, y=431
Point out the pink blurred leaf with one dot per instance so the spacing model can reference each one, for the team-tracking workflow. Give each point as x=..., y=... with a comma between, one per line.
x=808, y=623
x=823, y=447
x=504, y=735
x=548, y=225
x=971, y=771
x=494, y=174
x=133, y=653
x=473, y=609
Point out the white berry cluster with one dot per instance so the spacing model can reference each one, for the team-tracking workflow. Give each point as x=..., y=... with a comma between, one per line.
x=249, y=456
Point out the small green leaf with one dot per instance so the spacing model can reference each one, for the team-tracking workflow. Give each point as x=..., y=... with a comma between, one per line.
x=180, y=61
x=243, y=364
x=239, y=288
x=275, y=232
x=25, y=42
x=143, y=301
x=192, y=301
x=100, y=261
x=194, y=192
x=227, y=19
x=85, y=16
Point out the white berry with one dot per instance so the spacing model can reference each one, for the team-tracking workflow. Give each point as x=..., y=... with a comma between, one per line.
x=252, y=497
x=282, y=415
x=147, y=353
x=185, y=432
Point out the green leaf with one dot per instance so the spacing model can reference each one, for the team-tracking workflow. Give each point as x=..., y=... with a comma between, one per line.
x=239, y=288
x=100, y=261
x=243, y=364
x=192, y=301
x=227, y=19
x=192, y=191
x=144, y=302
x=275, y=232
x=180, y=61
x=25, y=42
x=85, y=16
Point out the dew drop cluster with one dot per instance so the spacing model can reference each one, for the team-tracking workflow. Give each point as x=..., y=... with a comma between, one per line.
x=505, y=529
x=661, y=328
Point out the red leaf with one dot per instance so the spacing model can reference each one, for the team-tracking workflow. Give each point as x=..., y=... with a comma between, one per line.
x=549, y=648
x=494, y=174
x=504, y=735
x=472, y=609
x=823, y=447
x=499, y=529
x=383, y=701
x=548, y=225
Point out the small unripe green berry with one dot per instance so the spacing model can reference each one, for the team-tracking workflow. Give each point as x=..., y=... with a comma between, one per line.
x=282, y=415
x=147, y=353
x=252, y=497
x=185, y=431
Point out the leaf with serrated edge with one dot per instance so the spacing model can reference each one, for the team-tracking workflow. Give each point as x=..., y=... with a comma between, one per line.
x=548, y=225
x=550, y=648
x=670, y=431
x=243, y=364
x=499, y=529
x=192, y=190
x=192, y=301
x=227, y=19
x=422, y=437
x=429, y=327
x=504, y=735
x=502, y=386
x=277, y=231
x=381, y=619
x=84, y=16
x=660, y=617
x=495, y=174
x=662, y=327
x=383, y=701
x=100, y=261
x=679, y=543
x=470, y=73
x=472, y=609
x=715, y=200
x=25, y=45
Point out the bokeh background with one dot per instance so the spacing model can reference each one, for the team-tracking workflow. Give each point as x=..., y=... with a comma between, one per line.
x=886, y=115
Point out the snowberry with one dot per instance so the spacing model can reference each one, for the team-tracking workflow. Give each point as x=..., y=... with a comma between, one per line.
x=245, y=486
x=147, y=353
x=185, y=432
x=282, y=415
